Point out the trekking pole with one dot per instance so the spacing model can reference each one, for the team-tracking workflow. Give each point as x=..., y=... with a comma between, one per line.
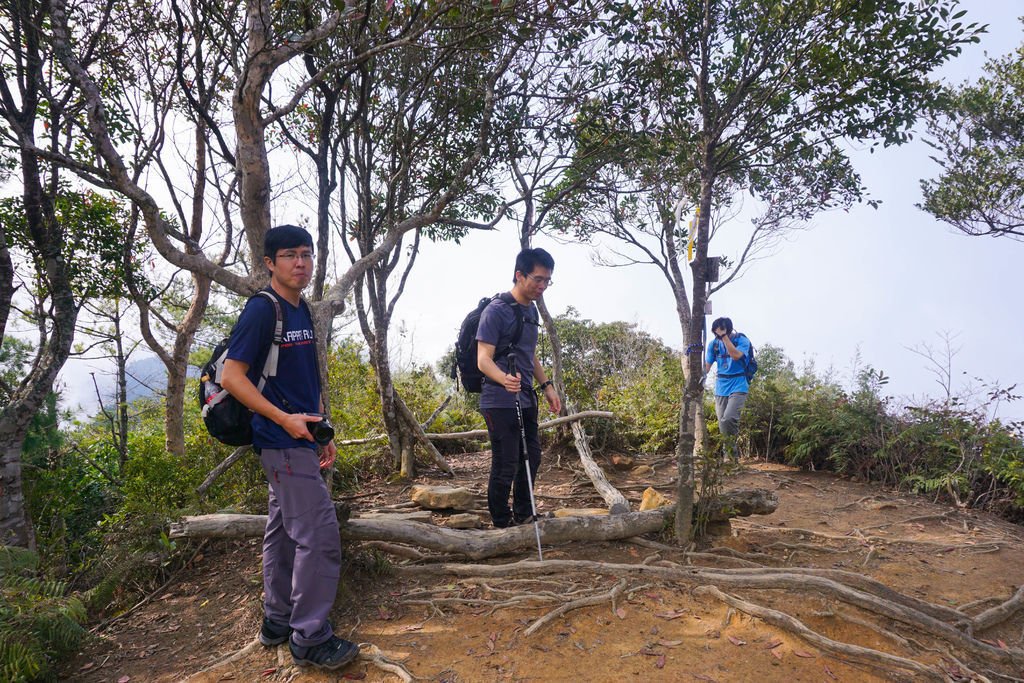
x=526, y=460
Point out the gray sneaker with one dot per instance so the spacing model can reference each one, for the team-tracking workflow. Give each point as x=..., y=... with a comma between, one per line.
x=331, y=654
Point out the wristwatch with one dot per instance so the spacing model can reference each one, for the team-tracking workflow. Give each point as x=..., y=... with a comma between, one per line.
x=545, y=385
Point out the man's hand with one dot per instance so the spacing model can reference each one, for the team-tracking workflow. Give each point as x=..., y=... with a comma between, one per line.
x=512, y=383
x=553, y=401
x=328, y=454
x=296, y=425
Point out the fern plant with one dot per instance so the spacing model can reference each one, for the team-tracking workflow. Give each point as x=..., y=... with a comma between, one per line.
x=39, y=624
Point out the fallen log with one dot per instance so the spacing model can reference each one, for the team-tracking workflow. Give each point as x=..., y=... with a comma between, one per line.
x=471, y=543
x=482, y=433
x=617, y=503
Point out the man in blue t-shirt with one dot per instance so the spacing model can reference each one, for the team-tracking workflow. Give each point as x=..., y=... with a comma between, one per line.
x=500, y=390
x=301, y=545
x=730, y=351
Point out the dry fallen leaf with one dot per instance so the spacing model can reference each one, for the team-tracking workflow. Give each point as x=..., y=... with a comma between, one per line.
x=675, y=614
x=268, y=672
x=736, y=641
x=354, y=676
x=620, y=613
x=776, y=654
x=772, y=644
x=660, y=662
x=670, y=643
x=829, y=673
x=801, y=653
x=124, y=679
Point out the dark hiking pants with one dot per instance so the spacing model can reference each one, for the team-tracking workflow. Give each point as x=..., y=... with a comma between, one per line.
x=301, y=545
x=507, y=472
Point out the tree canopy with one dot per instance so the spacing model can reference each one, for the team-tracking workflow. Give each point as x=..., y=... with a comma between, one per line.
x=978, y=135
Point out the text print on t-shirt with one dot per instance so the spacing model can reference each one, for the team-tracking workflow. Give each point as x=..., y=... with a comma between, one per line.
x=297, y=338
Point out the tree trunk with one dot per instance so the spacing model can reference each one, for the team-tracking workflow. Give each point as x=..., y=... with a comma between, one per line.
x=692, y=409
x=15, y=525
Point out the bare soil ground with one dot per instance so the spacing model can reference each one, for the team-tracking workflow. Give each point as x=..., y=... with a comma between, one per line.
x=441, y=628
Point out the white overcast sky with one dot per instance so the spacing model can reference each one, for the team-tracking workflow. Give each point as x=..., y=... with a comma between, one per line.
x=873, y=282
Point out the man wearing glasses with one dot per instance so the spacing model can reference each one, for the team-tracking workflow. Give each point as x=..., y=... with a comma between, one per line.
x=301, y=545
x=504, y=316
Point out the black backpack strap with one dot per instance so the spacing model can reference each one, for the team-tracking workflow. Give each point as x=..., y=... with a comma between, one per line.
x=517, y=332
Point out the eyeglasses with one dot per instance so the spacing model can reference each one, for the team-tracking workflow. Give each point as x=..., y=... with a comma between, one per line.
x=292, y=256
x=538, y=280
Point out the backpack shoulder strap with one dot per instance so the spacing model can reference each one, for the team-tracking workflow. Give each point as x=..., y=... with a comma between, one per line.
x=270, y=365
x=518, y=331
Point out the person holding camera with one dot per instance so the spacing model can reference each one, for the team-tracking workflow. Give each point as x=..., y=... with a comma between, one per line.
x=301, y=544
x=730, y=351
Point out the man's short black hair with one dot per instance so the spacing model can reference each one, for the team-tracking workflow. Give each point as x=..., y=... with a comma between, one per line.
x=528, y=259
x=285, y=237
x=724, y=323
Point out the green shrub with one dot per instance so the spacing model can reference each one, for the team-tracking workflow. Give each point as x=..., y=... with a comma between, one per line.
x=39, y=624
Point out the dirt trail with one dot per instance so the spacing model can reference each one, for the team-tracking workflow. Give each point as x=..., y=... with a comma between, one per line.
x=656, y=630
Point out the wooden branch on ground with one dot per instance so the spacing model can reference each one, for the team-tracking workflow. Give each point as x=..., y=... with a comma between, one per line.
x=617, y=503
x=480, y=544
x=482, y=433
x=471, y=543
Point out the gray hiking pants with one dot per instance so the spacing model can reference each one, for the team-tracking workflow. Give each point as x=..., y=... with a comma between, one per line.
x=301, y=545
x=728, y=410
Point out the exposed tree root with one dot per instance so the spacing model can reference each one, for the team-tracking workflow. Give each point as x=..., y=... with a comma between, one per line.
x=1000, y=613
x=862, y=655
x=611, y=595
x=371, y=654
x=254, y=646
x=847, y=587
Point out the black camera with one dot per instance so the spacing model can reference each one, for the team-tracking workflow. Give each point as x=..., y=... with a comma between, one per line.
x=322, y=431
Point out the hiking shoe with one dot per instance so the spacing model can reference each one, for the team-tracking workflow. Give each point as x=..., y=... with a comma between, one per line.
x=530, y=519
x=272, y=633
x=331, y=654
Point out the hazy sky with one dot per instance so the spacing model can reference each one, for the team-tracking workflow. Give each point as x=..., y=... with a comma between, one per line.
x=873, y=281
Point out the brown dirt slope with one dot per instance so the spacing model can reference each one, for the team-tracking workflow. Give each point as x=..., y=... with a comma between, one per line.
x=444, y=628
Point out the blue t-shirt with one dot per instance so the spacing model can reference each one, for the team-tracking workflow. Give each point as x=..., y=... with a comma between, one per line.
x=731, y=377
x=297, y=380
x=497, y=325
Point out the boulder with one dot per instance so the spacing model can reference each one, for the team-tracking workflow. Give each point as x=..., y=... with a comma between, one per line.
x=652, y=499
x=464, y=520
x=444, y=497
